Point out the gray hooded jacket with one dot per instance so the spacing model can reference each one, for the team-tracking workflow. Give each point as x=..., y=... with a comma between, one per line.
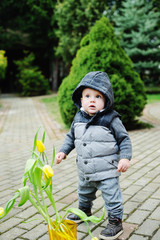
x=100, y=140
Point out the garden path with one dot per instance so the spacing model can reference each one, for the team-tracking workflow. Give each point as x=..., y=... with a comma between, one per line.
x=19, y=120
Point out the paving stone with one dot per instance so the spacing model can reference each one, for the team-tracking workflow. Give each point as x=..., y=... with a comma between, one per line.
x=157, y=179
x=156, y=214
x=127, y=230
x=126, y=183
x=12, y=234
x=70, y=198
x=31, y=222
x=130, y=206
x=98, y=203
x=132, y=190
x=138, y=216
x=148, y=227
x=140, y=196
x=36, y=232
x=150, y=204
x=156, y=194
x=156, y=235
x=143, y=181
x=126, y=197
x=151, y=187
x=9, y=224
x=45, y=237
x=138, y=237
x=27, y=213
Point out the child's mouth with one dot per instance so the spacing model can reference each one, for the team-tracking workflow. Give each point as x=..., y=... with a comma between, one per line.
x=92, y=106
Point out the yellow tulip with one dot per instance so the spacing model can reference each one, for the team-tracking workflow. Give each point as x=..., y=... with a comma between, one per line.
x=1, y=211
x=48, y=171
x=45, y=179
x=40, y=146
x=94, y=238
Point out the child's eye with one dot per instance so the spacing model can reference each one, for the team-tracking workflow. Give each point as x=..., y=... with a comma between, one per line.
x=98, y=96
x=87, y=96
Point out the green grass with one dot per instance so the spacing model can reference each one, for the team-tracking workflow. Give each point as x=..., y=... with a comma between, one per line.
x=52, y=106
x=152, y=98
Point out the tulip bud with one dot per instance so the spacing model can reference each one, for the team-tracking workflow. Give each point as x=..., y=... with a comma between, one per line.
x=1, y=211
x=40, y=146
x=48, y=171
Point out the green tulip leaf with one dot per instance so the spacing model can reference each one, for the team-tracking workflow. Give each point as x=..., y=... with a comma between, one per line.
x=24, y=180
x=95, y=219
x=34, y=154
x=29, y=165
x=24, y=194
x=36, y=176
x=84, y=217
x=43, y=138
x=53, y=156
x=40, y=163
x=9, y=205
x=78, y=212
x=35, y=139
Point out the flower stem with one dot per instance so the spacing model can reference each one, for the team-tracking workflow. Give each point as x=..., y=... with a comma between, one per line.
x=45, y=207
x=89, y=231
x=49, y=194
x=37, y=199
x=38, y=208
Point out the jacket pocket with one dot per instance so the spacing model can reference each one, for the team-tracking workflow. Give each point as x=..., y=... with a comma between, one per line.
x=114, y=163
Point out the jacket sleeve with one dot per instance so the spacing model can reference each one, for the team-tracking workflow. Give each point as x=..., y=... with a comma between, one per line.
x=68, y=144
x=122, y=138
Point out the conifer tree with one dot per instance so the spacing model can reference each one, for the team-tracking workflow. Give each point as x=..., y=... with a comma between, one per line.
x=74, y=20
x=100, y=51
x=136, y=24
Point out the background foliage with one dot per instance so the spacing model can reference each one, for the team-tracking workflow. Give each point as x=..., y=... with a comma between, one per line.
x=74, y=19
x=100, y=50
x=30, y=79
x=52, y=30
x=139, y=34
x=3, y=64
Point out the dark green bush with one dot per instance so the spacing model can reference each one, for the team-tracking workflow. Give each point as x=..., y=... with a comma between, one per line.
x=101, y=51
x=30, y=79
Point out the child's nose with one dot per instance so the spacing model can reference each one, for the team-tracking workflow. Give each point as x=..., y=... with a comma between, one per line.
x=92, y=99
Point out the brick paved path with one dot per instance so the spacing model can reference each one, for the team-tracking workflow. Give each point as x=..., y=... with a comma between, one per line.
x=19, y=120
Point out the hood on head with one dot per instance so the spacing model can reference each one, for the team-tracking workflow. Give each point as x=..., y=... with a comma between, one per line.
x=98, y=81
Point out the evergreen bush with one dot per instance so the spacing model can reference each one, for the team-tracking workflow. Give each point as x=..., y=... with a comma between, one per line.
x=30, y=79
x=100, y=51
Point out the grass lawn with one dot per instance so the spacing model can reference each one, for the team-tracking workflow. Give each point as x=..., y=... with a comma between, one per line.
x=152, y=98
x=51, y=104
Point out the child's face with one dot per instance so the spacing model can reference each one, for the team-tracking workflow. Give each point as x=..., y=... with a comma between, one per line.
x=92, y=101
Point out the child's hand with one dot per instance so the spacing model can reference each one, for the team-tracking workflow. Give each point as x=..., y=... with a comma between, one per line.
x=59, y=157
x=123, y=165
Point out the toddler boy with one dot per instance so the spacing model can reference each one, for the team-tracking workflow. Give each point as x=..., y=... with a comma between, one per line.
x=103, y=149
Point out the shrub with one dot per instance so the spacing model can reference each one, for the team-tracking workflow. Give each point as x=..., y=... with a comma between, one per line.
x=3, y=64
x=101, y=51
x=30, y=79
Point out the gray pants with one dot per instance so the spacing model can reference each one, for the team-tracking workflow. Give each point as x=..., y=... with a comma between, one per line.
x=111, y=194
